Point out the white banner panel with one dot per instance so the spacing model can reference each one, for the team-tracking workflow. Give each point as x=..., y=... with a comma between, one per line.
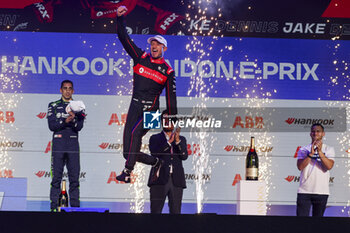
x=25, y=150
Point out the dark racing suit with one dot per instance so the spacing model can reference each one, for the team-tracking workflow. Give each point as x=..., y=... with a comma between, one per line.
x=65, y=151
x=151, y=76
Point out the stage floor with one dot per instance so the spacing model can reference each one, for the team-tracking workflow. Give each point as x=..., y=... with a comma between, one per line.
x=86, y=222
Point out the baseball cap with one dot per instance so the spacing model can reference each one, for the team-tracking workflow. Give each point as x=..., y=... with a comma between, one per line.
x=158, y=38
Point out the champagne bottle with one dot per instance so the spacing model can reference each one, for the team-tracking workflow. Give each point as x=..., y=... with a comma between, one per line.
x=252, y=162
x=63, y=197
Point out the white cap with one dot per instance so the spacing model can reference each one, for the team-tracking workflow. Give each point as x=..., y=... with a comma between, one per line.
x=158, y=38
x=75, y=106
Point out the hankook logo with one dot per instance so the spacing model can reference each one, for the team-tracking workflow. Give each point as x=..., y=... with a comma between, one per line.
x=309, y=121
x=11, y=144
x=234, y=148
x=194, y=177
x=47, y=174
x=296, y=179
x=41, y=115
x=118, y=146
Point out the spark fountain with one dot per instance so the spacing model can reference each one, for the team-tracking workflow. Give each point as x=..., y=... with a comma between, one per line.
x=341, y=80
x=137, y=189
x=202, y=163
x=8, y=83
x=5, y=159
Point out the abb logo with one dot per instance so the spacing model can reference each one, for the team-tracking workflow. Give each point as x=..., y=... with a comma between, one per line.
x=48, y=147
x=7, y=173
x=193, y=149
x=236, y=179
x=296, y=152
x=41, y=115
x=115, y=120
x=113, y=178
x=7, y=117
x=249, y=122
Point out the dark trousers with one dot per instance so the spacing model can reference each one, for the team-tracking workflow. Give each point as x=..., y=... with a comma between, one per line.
x=160, y=192
x=65, y=153
x=317, y=201
x=132, y=138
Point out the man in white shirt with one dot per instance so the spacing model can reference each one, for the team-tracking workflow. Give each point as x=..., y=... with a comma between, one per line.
x=314, y=161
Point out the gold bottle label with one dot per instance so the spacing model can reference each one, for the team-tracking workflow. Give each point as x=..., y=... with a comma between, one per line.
x=252, y=172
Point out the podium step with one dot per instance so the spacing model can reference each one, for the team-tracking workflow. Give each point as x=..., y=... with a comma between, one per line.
x=79, y=209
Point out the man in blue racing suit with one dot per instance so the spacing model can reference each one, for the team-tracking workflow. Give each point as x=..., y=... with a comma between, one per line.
x=65, y=125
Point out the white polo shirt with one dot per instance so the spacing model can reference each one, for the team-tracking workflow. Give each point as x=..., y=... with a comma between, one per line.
x=314, y=178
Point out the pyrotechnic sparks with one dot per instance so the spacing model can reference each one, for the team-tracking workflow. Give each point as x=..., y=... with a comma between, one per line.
x=137, y=189
x=8, y=102
x=256, y=98
x=342, y=80
x=202, y=164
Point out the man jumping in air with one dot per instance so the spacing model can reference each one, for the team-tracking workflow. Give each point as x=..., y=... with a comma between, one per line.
x=151, y=75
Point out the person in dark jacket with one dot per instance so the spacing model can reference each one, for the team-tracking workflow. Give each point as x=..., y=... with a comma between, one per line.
x=169, y=146
x=151, y=75
x=65, y=123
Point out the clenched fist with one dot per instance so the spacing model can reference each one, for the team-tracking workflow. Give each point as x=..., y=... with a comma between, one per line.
x=121, y=10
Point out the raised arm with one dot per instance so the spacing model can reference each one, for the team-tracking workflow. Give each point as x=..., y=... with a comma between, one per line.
x=130, y=47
